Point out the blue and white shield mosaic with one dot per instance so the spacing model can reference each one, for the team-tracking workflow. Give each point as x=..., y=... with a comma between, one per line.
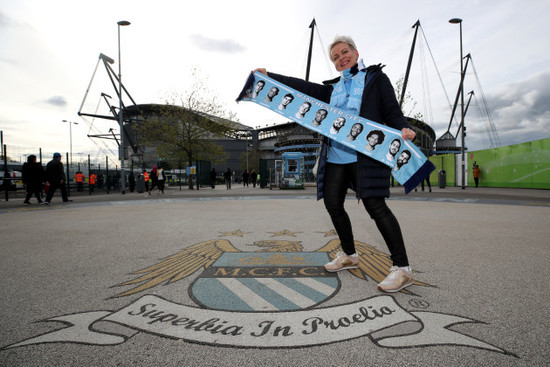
x=252, y=281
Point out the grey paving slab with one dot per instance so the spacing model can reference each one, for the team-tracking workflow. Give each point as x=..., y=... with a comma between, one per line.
x=145, y=281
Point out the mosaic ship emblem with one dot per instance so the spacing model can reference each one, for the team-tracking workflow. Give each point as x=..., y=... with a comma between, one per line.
x=265, y=282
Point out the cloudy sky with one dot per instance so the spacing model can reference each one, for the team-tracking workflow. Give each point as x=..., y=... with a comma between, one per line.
x=49, y=50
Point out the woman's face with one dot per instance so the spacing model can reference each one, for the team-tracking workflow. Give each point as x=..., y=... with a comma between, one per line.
x=343, y=56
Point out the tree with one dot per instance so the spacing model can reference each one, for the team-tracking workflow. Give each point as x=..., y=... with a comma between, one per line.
x=184, y=129
x=408, y=100
x=253, y=160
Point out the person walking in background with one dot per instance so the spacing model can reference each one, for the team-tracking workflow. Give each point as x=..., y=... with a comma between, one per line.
x=131, y=181
x=476, y=174
x=146, y=180
x=427, y=179
x=100, y=181
x=33, y=176
x=161, y=179
x=254, y=177
x=427, y=183
x=91, y=181
x=154, y=179
x=245, y=178
x=227, y=177
x=55, y=177
x=213, y=175
x=79, y=178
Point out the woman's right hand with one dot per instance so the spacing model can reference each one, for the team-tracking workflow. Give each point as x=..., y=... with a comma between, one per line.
x=260, y=70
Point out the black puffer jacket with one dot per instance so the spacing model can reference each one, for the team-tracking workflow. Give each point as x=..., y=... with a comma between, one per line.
x=55, y=172
x=378, y=104
x=32, y=175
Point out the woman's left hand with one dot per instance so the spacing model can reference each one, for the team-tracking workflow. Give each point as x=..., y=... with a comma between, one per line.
x=407, y=134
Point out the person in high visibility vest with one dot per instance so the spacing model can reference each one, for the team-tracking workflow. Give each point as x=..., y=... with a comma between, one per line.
x=79, y=178
x=146, y=179
x=91, y=181
x=476, y=174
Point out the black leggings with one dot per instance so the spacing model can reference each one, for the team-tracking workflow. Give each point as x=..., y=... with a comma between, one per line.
x=336, y=182
x=33, y=190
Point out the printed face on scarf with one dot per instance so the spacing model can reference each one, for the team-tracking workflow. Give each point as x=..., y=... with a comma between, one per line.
x=320, y=115
x=273, y=92
x=403, y=158
x=259, y=86
x=286, y=100
x=395, y=146
x=356, y=129
x=343, y=56
x=304, y=108
x=338, y=123
x=373, y=139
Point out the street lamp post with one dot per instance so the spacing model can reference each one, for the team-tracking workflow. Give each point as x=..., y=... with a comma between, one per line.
x=121, y=120
x=246, y=156
x=247, y=150
x=71, y=138
x=462, y=128
x=71, y=151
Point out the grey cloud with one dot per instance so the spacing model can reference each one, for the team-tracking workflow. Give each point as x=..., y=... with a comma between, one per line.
x=216, y=45
x=521, y=111
x=57, y=101
x=8, y=22
x=8, y=61
x=4, y=20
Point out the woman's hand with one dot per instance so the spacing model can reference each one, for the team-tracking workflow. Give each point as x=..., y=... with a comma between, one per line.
x=407, y=134
x=261, y=70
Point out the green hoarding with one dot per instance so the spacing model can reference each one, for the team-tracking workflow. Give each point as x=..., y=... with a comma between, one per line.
x=525, y=165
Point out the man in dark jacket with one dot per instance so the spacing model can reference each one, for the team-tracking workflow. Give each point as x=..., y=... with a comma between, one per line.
x=55, y=176
x=33, y=176
x=366, y=92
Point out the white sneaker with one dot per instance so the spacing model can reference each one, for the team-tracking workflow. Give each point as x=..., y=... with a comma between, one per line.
x=342, y=262
x=397, y=279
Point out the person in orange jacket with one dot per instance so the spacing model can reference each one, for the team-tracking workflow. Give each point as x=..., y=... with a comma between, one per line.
x=476, y=174
x=79, y=178
x=146, y=179
x=91, y=181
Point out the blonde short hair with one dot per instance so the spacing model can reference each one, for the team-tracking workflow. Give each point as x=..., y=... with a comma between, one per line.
x=342, y=39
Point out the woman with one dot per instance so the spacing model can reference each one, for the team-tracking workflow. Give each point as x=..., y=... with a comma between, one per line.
x=366, y=92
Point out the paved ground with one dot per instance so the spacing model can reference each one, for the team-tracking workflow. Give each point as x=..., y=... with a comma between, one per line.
x=74, y=293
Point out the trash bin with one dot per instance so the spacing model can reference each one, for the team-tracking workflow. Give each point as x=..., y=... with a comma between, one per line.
x=140, y=184
x=442, y=178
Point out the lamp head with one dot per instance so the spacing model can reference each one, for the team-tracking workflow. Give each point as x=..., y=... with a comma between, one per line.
x=106, y=58
x=123, y=22
x=455, y=20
